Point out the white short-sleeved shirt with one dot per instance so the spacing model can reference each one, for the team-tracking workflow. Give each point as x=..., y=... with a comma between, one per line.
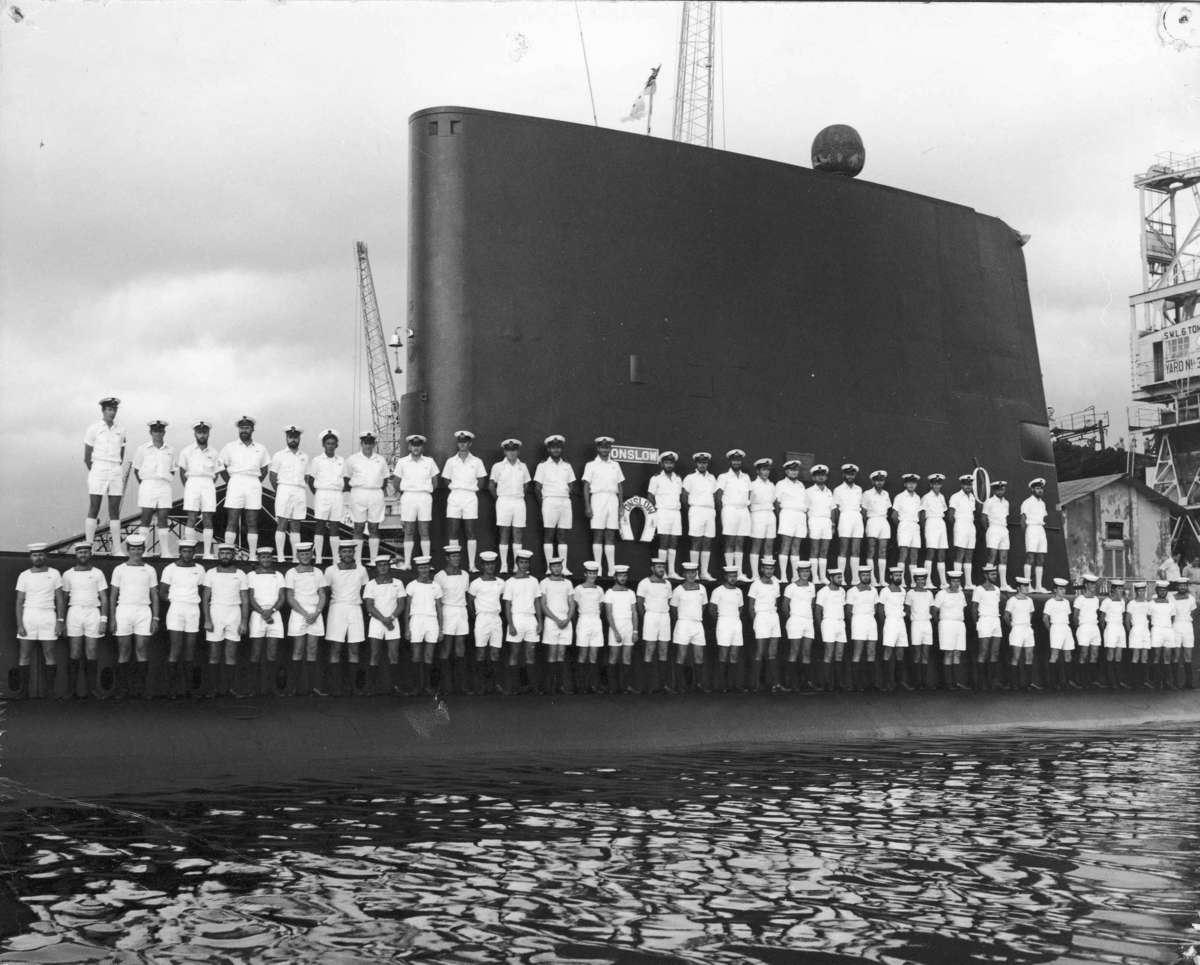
x=848, y=497
x=603, y=476
x=107, y=442
x=463, y=475
x=415, y=475
x=1020, y=611
x=700, y=488
x=876, y=502
x=184, y=582
x=386, y=596
x=328, y=472
x=83, y=587
x=556, y=595
x=666, y=490
x=950, y=606
x=199, y=463
x=765, y=595
x=762, y=495
x=345, y=586
x=963, y=505
x=995, y=511
x=728, y=600
x=689, y=604
x=423, y=598
x=240, y=459
x=1184, y=607
x=39, y=588
x=290, y=467
x=1161, y=613
x=907, y=506
x=987, y=600
x=1087, y=610
x=154, y=462
x=933, y=505
x=510, y=477
x=367, y=472
x=265, y=587
x=486, y=594
x=792, y=494
x=522, y=594
x=800, y=599
x=735, y=489
x=820, y=502
x=1113, y=610
x=623, y=602
x=1059, y=612
x=656, y=597
x=305, y=585
x=225, y=589
x=555, y=478
x=588, y=600
x=135, y=584
x=1139, y=612
x=832, y=602
x=893, y=603
x=862, y=602
x=919, y=603
x=454, y=587
x=1034, y=511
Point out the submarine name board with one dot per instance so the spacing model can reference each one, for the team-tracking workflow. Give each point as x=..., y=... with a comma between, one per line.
x=634, y=453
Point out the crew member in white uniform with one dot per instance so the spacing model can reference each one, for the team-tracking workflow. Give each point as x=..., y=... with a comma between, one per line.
x=415, y=476
x=949, y=609
x=699, y=498
x=225, y=606
x=307, y=593
x=848, y=498
x=933, y=518
x=180, y=586
x=906, y=508
x=327, y=482
x=135, y=615
x=344, y=621
x=919, y=600
x=1086, y=619
x=1056, y=614
x=620, y=607
x=40, y=619
x=1112, y=625
x=765, y=593
x=862, y=600
x=733, y=500
x=1162, y=631
x=103, y=453
x=1033, y=517
x=244, y=463
x=587, y=601
x=985, y=604
x=465, y=474
x=1018, y=614
x=995, y=512
x=961, y=514
x=877, y=504
x=821, y=506
x=558, y=615
x=665, y=490
x=522, y=599
x=424, y=622
x=792, y=499
x=725, y=603
x=654, y=613
x=553, y=483
x=763, y=525
x=385, y=599
x=154, y=468
x=485, y=600
x=508, y=483
x=1185, y=634
x=452, y=648
x=687, y=604
x=830, y=610
x=367, y=476
x=85, y=593
x=604, y=501
x=894, y=636
x=1138, y=621
x=287, y=472
x=266, y=598
x=199, y=464
x=798, y=599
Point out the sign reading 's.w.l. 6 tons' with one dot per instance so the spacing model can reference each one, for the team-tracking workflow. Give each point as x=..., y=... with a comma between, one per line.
x=1181, y=349
x=634, y=453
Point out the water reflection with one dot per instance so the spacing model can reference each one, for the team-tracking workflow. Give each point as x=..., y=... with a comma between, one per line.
x=1054, y=850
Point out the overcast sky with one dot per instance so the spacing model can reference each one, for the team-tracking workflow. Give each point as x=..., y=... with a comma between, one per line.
x=182, y=184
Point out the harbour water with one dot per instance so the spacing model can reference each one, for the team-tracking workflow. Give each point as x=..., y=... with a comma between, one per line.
x=1043, y=848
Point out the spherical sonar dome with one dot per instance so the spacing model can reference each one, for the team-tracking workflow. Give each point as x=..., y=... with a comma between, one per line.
x=839, y=150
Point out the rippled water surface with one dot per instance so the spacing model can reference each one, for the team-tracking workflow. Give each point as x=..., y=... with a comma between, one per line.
x=1047, y=849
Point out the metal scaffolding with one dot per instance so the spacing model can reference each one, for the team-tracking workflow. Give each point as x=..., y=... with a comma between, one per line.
x=693, y=122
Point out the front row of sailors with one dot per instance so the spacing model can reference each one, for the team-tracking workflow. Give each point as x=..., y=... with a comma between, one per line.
x=436, y=613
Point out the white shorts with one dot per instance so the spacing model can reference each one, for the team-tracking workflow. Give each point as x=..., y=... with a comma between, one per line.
x=510, y=511
x=656, y=628
x=377, y=630
x=799, y=629
x=702, y=521
x=344, y=623
x=154, y=494
x=895, y=634
x=291, y=501
x=935, y=534
x=690, y=633
x=793, y=523
x=462, y=504
x=329, y=504
x=1035, y=538
x=669, y=522
x=243, y=492
x=1139, y=638
x=423, y=629
x=226, y=621
x=296, y=626
x=996, y=538
x=1114, y=638
x=766, y=626
x=555, y=636
x=454, y=621
x=523, y=629
x=83, y=621
x=735, y=521
x=606, y=512
x=762, y=525
x=729, y=632
x=878, y=528
x=626, y=634
x=986, y=627
x=105, y=479
x=1186, y=635
x=921, y=633
x=850, y=526
x=184, y=617
x=820, y=528
x=908, y=534
x=200, y=495
x=132, y=619
x=964, y=534
x=589, y=633
x=489, y=631
x=260, y=628
x=952, y=635
x=39, y=624
x=366, y=505
x=556, y=512
x=1061, y=637
x=863, y=628
x=1021, y=637
x=1088, y=635
x=416, y=507
x=1163, y=637
x=833, y=631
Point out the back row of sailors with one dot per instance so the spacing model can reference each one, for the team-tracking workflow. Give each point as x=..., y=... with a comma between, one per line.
x=752, y=507
x=434, y=611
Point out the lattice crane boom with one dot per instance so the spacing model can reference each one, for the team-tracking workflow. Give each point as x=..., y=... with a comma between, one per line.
x=385, y=405
x=693, y=123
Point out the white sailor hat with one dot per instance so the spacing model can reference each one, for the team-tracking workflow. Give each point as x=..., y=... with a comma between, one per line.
x=553, y=438
x=820, y=469
x=1116, y=582
x=835, y=574
x=489, y=556
x=463, y=434
x=1158, y=584
x=452, y=548
x=554, y=561
x=999, y=483
x=366, y=436
x=849, y=467
x=510, y=443
x=422, y=560
x=415, y=438
x=525, y=555
x=305, y=547
x=133, y=540
x=919, y=571
x=1059, y=581
x=954, y=575
x=910, y=477
x=592, y=566
x=689, y=566
x=767, y=561
x=621, y=568
x=668, y=454
x=896, y=569
x=383, y=558
x=793, y=464
x=261, y=551
x=604, y=440
x=221, y=547
x=158, y=424
x=1039, y=481
x=291, y=429
x=804, y=565
x=968, y=477
x=701, y=456
x=325, y=434
x=735, y=454
x=1139, y=585
x=731, y=569
x=1022, y=580
x=84, y=544
x=936, y=477
x=109, y=401
x=246, y=421
x=765, y=461
x=864, y=567
x=1090, y=578
x=36, y=547
x=879, y=474
x=659, y=561
x=201, y=424
x=990, y=568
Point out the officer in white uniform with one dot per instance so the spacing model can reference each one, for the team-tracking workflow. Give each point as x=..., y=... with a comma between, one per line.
x=733, y=500
x=995, y=512
x=552, y=483
x=135, y=614
x=199, y=464
x=39, y=617
x=85, y=592
x=464, y=474
x=792, y=499
x=244, y=464
x=327, y=482
x=665, y=490
x=367, y=476
x=848, y=498
x=1033, y=516
x=287, y=472
x=933, y=519
x=103, y=453
x=877, y=504
x=821, y=506
x=415, y=476
x=763, y=524
x=699, y=498
x=508, y=482
x=603, y=499
x=961, y=512
x=154, y=468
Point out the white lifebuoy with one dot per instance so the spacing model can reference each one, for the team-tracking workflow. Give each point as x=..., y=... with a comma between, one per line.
x=649, y=523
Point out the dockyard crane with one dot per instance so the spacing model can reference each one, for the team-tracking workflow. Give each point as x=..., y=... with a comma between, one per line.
x=385, y=405
x=693, y=123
